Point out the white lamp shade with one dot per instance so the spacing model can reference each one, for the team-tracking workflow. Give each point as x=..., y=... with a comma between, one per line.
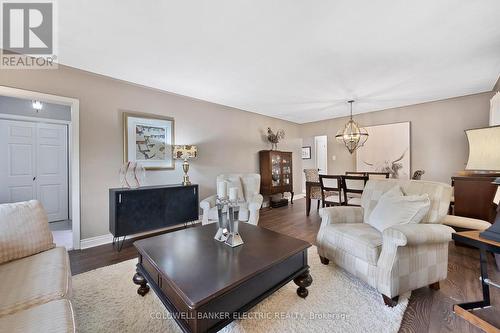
x=484, y=149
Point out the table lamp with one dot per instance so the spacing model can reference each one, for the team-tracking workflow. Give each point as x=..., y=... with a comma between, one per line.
x=493, y=232
x=185, y=152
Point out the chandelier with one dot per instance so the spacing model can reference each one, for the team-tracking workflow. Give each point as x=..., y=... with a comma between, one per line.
x=352, y=135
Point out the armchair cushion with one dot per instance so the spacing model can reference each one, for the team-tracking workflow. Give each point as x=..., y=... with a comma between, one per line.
x=34, y=280
x=358, y=239
x=341, y=214
x=394, y=208
x=24, y=230
x=439, y=195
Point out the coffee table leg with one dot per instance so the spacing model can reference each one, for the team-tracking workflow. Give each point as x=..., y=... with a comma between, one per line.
x=142, y=283
x=303, y=281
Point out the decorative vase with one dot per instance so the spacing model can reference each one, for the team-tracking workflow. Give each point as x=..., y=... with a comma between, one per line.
x=132, y=175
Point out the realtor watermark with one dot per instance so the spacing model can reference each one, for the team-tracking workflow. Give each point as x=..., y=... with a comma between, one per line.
x=28, y=35
x=252, y=315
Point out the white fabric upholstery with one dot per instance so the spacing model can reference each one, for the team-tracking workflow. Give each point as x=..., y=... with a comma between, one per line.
x=34, y=295
x=410, y=256
x=359, y=239
x=24, y=230
x=394, y=208
x=54, y=317
x=249, y=209
x=333, y=198
x=354, y=201
x=465, y=222
x=34, y=280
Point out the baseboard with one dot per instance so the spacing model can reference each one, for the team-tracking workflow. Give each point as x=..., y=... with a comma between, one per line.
x=96, y=241
x=108, y=238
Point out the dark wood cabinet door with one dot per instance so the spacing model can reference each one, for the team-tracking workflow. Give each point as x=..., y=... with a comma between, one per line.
x=276, y=172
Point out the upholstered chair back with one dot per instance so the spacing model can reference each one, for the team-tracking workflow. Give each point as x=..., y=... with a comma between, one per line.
x=439, y=195
x=312, y=175
x=249, y=181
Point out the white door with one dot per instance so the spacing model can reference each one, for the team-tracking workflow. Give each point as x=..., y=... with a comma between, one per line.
x=321, y=153
x=17, y=161
x=52, y=170
x=35, y=165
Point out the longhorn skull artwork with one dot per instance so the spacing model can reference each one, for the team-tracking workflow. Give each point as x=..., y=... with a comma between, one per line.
x=392, y=167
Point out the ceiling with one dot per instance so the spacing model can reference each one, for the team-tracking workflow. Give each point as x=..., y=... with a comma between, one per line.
x=295, y=60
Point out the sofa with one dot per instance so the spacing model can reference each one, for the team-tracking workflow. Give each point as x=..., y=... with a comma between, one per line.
x=248, y=185
x=402, y=257
x=36, y=277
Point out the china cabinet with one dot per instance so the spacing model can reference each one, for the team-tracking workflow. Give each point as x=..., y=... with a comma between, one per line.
x=276, y=173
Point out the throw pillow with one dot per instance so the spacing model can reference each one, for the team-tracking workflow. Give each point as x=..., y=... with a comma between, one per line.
x=24, y=230
x=394, y=208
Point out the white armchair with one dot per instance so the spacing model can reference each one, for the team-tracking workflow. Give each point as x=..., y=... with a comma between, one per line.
x=403, y=257
x=249, y=184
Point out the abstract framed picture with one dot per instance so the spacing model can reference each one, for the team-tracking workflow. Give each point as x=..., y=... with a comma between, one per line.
x=306, y=153
x=386, y=150
x=148, y=139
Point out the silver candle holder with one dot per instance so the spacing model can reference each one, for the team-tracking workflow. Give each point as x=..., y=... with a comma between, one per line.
x=228, y=222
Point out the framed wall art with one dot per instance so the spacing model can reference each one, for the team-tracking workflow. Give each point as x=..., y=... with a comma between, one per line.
x=306, y=153
x=386, y=150
x=148, y=139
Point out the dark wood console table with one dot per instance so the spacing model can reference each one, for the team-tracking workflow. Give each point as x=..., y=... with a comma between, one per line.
x=205, y=284
x=473, y=239
x=147, y=208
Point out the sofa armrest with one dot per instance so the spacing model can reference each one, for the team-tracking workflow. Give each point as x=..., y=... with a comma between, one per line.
x=341, y=214
x=208, y=203
x=417, y=234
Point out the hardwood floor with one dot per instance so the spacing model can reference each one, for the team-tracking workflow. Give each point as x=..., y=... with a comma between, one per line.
x=428, y=310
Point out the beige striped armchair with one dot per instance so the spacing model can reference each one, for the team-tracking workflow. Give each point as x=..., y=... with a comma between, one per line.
x=403, y=257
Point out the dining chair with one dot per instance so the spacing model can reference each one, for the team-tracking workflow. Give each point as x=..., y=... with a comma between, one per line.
x=331, y=190
x=353, y=187
x=355, y=173
x=377, y=175
x=312, y=175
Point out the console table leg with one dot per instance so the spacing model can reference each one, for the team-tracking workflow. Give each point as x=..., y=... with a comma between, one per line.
x=484, y=275
x=142, y=283
x=303, y=281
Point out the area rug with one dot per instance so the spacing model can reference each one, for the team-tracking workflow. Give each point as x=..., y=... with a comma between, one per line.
x=106, y=300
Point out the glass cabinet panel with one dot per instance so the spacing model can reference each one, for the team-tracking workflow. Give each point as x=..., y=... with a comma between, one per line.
x=286, y=165
x=276, y=169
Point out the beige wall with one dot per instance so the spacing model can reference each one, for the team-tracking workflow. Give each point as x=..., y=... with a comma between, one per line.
x=228, y=139
x=438, y=142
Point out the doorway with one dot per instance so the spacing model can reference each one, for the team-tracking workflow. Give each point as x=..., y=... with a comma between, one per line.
x=35, y=165
x=40, y=150
x=321, y=153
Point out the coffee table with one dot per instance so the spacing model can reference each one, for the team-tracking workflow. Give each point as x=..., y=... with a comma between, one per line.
x=205, y=284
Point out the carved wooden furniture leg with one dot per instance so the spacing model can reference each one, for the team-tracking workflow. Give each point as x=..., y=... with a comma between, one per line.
x=391, y=302
x=434, y=286
x=142, y=283
x=324, y=261
x=303, y=281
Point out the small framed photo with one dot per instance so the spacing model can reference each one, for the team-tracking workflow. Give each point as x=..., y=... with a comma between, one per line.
x=148, y=139
x=306, y=153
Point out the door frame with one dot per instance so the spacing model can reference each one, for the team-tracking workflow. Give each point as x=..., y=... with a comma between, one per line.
x=73, y=145
x=316, y=151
